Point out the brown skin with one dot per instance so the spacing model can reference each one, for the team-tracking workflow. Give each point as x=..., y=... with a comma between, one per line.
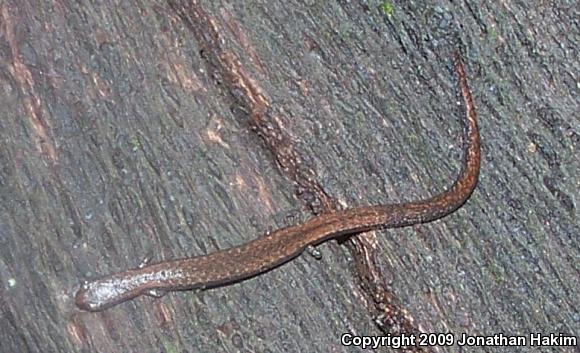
x=262, y=254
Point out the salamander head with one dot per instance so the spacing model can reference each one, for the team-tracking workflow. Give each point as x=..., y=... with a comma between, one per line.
x=105, y=292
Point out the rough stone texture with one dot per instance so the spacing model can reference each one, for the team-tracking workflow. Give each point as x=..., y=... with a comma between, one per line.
x=119, y=138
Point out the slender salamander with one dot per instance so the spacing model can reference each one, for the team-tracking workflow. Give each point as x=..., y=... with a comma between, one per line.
x=262, y=254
